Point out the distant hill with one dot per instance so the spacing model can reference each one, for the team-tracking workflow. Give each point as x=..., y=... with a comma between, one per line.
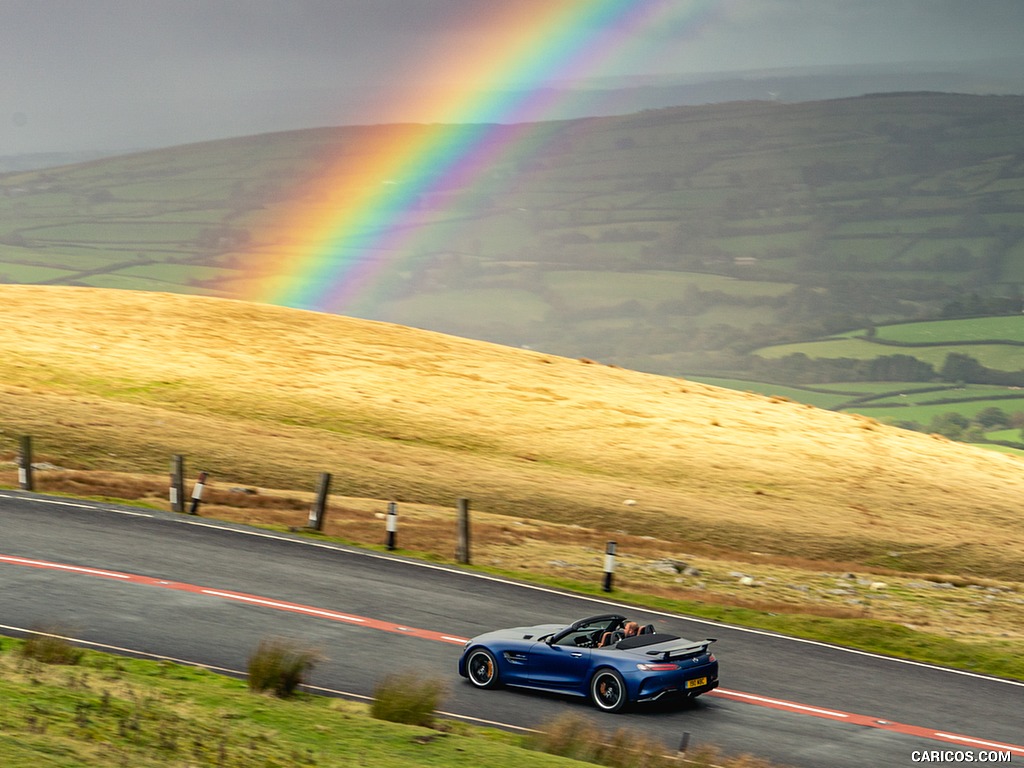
x=789, y=85
x=680, y=240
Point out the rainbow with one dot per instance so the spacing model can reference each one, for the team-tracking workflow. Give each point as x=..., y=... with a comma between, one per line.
x=355, y=227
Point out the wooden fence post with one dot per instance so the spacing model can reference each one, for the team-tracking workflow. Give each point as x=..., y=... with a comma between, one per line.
x=462, y=548
x=319, y=509
x=684, y=743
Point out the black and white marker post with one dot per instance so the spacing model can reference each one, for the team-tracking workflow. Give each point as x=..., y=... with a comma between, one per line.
x=609, y=566
x=25, y=464
x=177, y=490
x=392, y=525
x=197, y=493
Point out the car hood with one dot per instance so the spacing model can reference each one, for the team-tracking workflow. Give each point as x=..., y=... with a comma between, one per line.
x=520, y=633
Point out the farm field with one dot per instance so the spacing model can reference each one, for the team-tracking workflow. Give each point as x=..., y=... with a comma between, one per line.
x=984, y=347
x=1002, y=357
x=1004, y=328
x=893, y=402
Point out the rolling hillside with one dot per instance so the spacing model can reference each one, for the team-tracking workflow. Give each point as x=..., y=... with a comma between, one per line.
x=120, y=380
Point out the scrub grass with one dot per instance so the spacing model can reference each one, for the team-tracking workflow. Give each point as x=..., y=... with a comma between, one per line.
x=719, y=500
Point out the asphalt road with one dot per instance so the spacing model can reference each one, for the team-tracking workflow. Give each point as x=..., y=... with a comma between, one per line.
x=794, y=702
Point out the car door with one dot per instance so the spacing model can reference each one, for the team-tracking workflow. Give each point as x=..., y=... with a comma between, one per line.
x=559, y=667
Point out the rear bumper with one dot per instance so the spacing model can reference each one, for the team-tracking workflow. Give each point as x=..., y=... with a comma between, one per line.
x=676, y=685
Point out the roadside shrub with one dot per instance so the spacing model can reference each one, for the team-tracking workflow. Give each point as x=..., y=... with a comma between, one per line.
x=280, y=666
x=407, y=698
x=569, y=735
x=48, y=647
x=574, y=736
x=630, y=748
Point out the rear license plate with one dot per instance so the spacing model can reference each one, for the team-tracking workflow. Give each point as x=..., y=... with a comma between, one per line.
x=697, y=682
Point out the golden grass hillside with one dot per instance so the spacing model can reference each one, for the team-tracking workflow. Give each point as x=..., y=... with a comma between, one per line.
x=117, y=380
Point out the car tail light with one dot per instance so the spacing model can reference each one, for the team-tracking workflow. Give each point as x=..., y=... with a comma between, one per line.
x=659, y=667
x=711, y=657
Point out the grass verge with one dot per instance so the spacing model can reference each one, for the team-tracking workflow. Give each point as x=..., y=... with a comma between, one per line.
x=109, y=712
x=114, y=712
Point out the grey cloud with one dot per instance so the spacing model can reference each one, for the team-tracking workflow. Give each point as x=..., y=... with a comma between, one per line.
x=78, y=72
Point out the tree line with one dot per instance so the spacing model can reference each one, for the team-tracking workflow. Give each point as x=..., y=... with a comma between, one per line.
x=957, y=368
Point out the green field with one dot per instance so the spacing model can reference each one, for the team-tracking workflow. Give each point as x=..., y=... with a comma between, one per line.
x=904, y=403
x=998, y=356
x=997, y=343
x=923, y=414
x=1009, y=328
x=591, y=289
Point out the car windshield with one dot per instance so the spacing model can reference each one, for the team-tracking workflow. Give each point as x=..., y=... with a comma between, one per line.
x=590, y=632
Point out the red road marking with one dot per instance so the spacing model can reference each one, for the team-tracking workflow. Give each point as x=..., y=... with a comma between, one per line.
x=868, y=722
x=240, y=597
x=426, y=634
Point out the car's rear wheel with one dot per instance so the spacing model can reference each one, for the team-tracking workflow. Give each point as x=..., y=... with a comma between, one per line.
x=482, y=668
x=608, y=691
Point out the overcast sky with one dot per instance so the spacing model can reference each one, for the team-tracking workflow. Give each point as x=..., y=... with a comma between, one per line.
x=114, y=74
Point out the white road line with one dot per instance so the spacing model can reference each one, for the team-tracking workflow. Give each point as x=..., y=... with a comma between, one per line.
x=55, y=502
x=62, y=567
x=981, y=743
x=293, y=607
x=785, y=704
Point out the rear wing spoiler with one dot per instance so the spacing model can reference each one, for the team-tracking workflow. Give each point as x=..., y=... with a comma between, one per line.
x=682, y=651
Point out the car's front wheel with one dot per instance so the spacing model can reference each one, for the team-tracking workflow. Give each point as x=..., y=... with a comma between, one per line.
x=608, y=691
x=482, y=668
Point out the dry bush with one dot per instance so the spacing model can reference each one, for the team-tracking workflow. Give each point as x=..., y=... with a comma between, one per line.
x=747, y=761
x=50, y=647
x=570, y=735
x=407, y=698
x=280, y=666
x=577, y=737
x=574, y=736
x=629, y=748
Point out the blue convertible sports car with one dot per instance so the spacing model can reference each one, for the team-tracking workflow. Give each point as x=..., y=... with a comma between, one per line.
x=571, y=660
